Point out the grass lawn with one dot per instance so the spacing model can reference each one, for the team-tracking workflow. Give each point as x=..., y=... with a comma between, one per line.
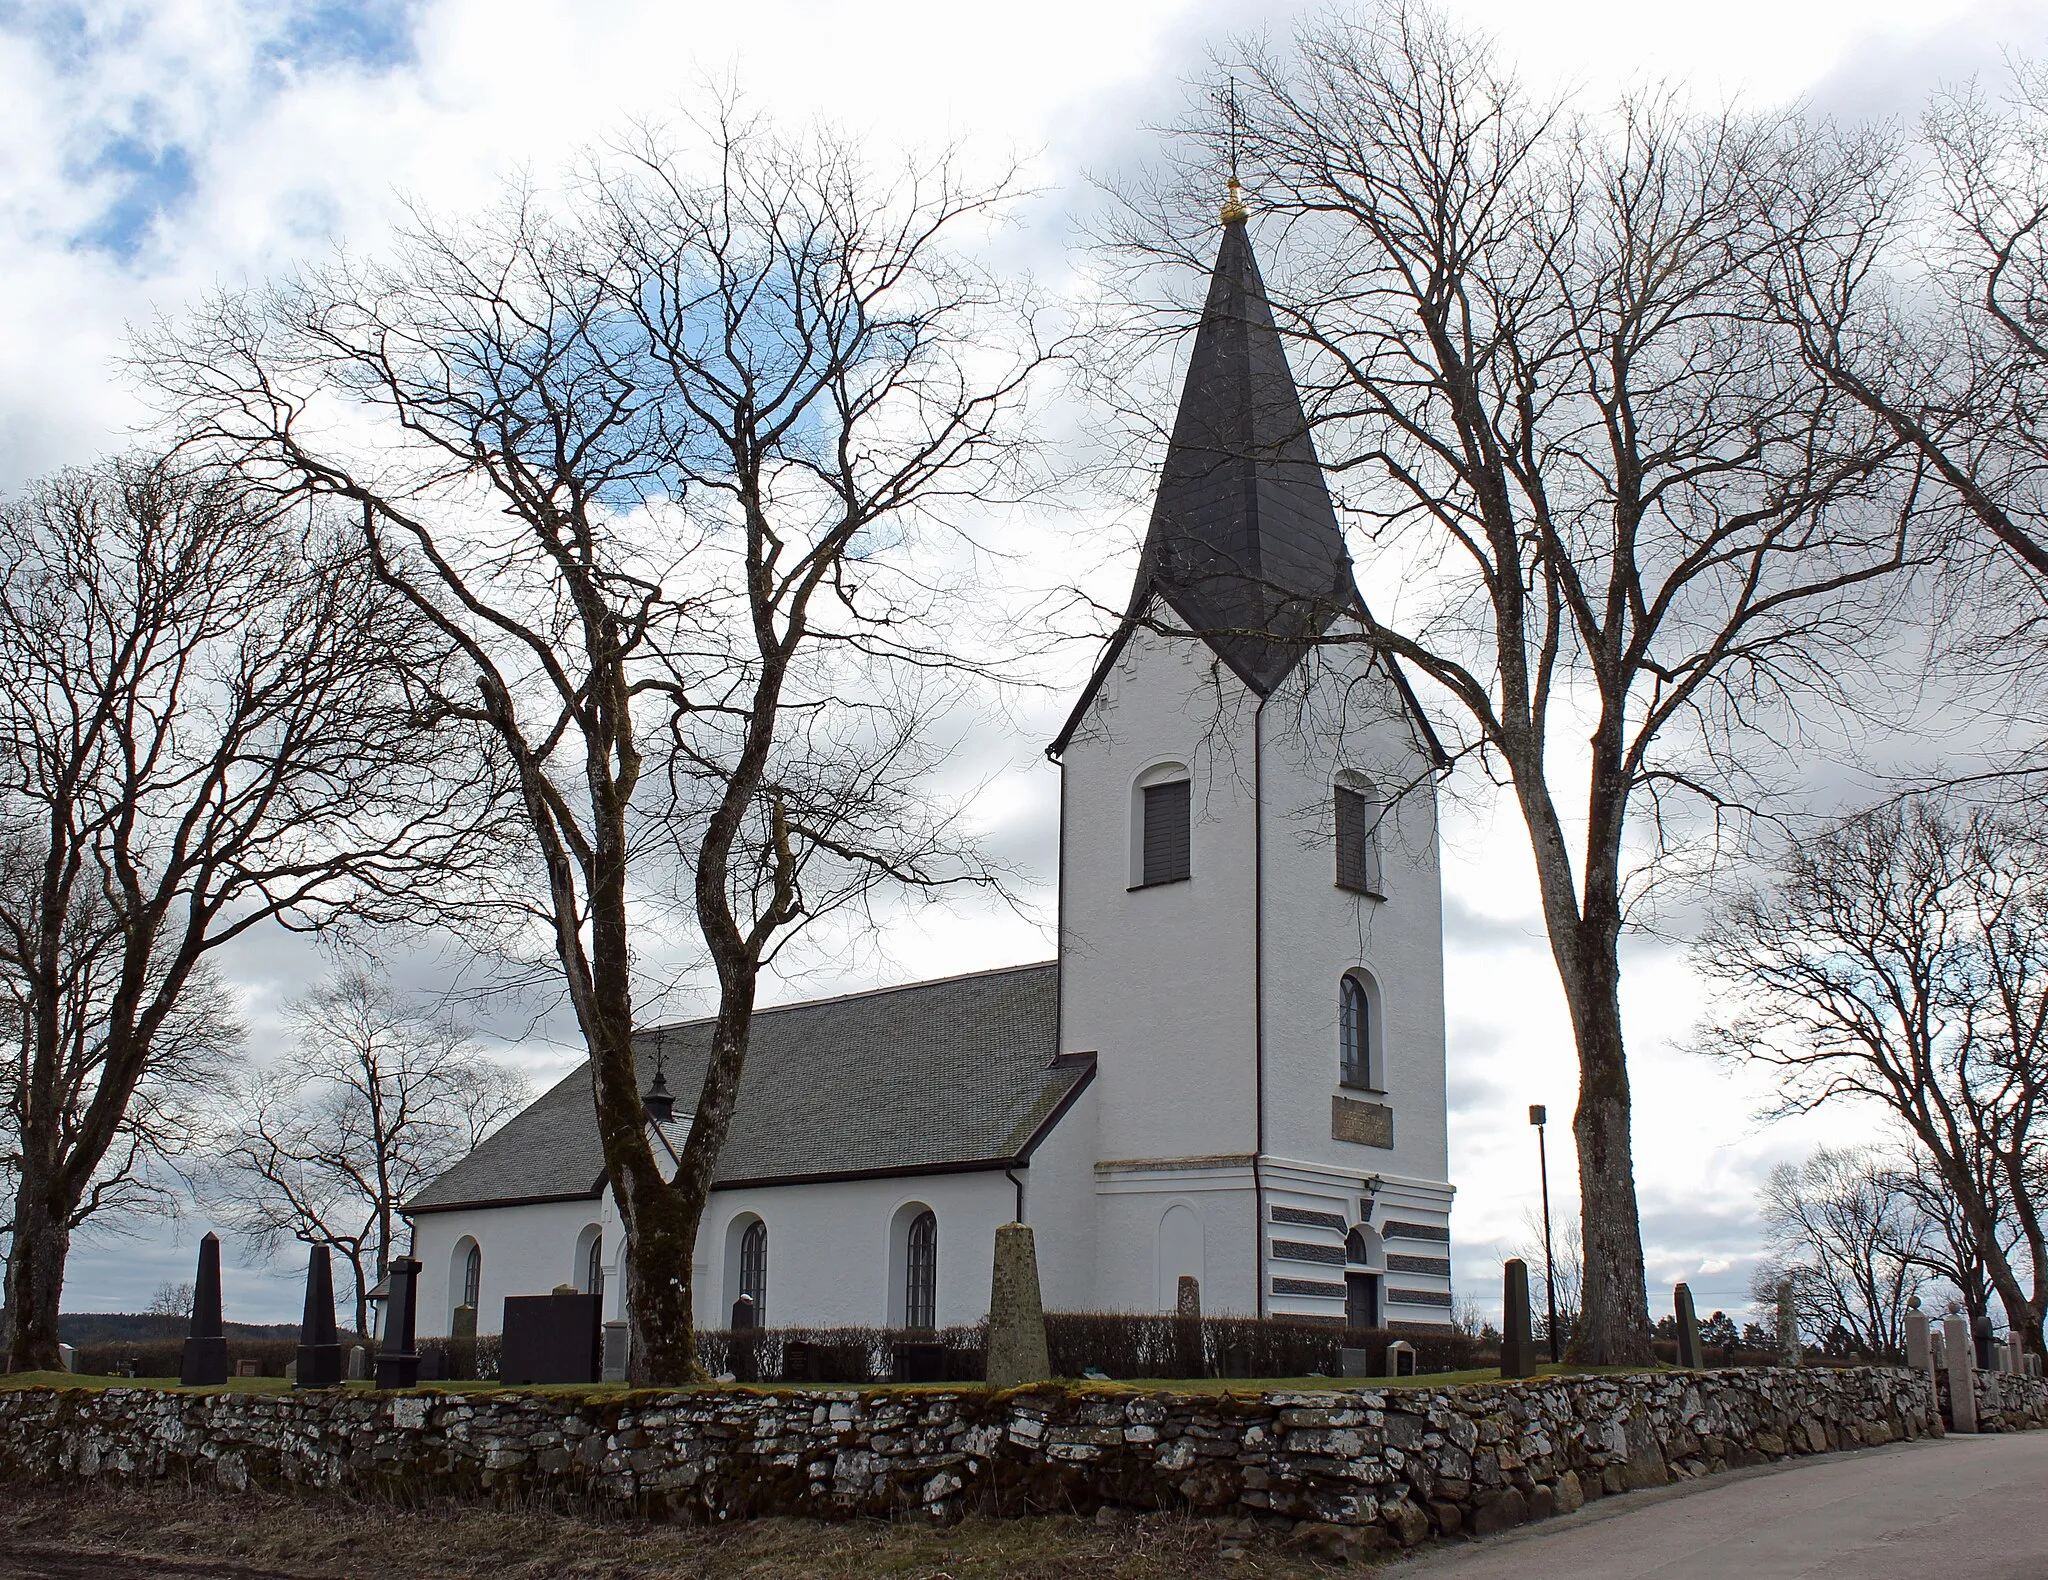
x=265, y=1536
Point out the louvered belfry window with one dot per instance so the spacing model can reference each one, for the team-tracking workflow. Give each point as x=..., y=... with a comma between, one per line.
x=1358, y=842
x=1167, y=856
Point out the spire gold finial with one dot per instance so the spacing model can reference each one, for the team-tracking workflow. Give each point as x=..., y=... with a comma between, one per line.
x=1234, y=211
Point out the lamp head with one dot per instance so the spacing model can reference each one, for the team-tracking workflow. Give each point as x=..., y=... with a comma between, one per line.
x=1538, y=1113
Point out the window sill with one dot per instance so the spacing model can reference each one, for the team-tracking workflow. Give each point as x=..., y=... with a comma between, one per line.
x=1163, y=883
x=1363, y=894
x=1369, y=1091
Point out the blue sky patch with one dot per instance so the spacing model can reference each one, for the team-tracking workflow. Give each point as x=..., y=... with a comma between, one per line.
x=150, y=182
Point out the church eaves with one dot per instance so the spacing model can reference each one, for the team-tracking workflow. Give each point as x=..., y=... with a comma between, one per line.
x=1243, y=544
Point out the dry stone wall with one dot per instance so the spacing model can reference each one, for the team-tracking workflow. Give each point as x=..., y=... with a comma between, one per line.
x=1376, y=1468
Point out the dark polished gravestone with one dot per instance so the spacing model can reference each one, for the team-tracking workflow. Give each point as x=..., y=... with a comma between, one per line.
x=556, y=1338
x=205, y=1361
x=1517, y=1345
x=320, y=1359
x=398, y=1362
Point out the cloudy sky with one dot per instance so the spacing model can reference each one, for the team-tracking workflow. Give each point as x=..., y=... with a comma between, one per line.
x=150, y=153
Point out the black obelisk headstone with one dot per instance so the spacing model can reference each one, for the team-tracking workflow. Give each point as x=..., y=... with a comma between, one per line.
x=320, y=1357
x=1517, y=1346
x=398, y=1362
x=206, y=1347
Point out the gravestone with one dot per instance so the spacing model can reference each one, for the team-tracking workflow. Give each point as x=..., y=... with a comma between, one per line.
x=1355, y=1363
x=744, y=1314
x=398, y=1363
x=552, y=1339
x=1688, y=1328
x=2016, y=1355
x=1962, y=1379
x=1017, y=1352
x=205, y=1363
x=1517, y=1347
x=1401, y=1359
x=1187, y=1308
x=1788, y=1325
x=433, y=1363
x=67, y=1357
x=1981, y=1340
x=920, y=1361
x=462, y=1344
x=319, y=1358
x=617, y=1350
x=1919, y=1346
x=358, y=1363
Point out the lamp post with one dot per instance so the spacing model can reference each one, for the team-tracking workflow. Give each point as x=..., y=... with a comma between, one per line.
x=1537, y=1116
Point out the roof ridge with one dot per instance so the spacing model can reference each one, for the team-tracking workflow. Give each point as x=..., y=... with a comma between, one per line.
x=842, y=998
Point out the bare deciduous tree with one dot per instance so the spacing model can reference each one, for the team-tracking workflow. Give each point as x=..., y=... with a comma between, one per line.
x=1926, y=302
x=1639, y=530
x=205, y=728
x=1855, y=1246
x=373, y=1099
x=658, y=461
x=1902, y=960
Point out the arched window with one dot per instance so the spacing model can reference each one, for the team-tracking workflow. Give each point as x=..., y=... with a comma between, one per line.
x=754, y=1267
x=473, y=1276
x=921, y=1271
x=593, y=1269
x=1354, y=1034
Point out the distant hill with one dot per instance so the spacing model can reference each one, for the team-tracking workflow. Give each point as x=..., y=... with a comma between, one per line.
x=123, y=1327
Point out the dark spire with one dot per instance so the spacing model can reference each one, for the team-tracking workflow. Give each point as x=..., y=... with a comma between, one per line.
x=1244, y=543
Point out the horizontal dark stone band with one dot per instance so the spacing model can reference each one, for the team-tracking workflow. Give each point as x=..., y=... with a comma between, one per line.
x=1308, y=1286
x=1301, y=1251
x=1394, y=1230
x=1419, y=1297
x=1313, y=1220
x=1435, y=1266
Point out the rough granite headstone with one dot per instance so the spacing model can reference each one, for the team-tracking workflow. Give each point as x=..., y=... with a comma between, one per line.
x=1017, y=1352
x=616, y=1351
x=319, y=1359
x=398, y=1362
x=1962, y=1380
x=1788, y=1325
x=1517, y=1347
x=462, y=1344
x=1187, y=1308
x=1688, y=1328
x=205, y=1362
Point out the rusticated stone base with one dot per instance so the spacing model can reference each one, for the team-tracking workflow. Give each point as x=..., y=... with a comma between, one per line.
x=1389, y=1467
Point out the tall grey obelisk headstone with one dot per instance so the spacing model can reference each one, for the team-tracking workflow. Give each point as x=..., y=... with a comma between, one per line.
x=1962, y=1372
x=1017, y=1351
x=1788, y=1325
x=205, y=1362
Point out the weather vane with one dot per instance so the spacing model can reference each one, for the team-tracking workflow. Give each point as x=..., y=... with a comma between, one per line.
x=1234, y=211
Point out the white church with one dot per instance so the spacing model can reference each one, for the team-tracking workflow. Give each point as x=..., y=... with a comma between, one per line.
x=1234, y=1069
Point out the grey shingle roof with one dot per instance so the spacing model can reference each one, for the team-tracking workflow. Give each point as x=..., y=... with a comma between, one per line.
x=957, y=1072
x=1244, y=543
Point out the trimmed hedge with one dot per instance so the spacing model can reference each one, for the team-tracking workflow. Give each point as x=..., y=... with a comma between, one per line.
x=1115, y=1344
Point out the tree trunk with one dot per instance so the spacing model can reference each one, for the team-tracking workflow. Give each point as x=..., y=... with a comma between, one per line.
x=1614, y=1321
x=35, y=1274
